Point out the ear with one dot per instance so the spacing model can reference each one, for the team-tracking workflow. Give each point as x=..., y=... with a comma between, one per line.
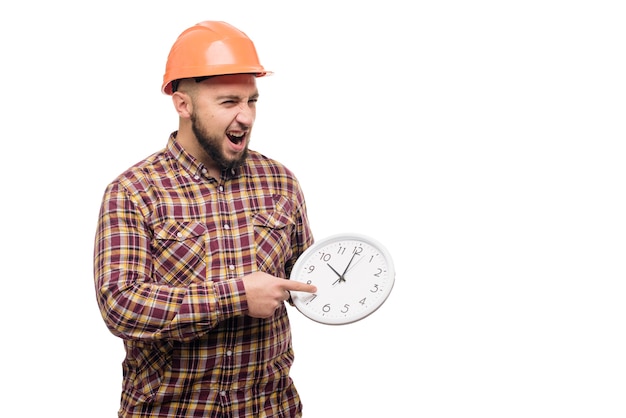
x=182, y=104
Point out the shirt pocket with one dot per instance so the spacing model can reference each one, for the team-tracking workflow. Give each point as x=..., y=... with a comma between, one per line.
x=179, y=250
x=272, y=236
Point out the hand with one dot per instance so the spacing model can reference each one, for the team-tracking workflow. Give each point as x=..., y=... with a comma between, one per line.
x=265, y=293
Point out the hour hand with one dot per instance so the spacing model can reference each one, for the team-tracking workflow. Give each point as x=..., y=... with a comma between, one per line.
x=336, y=272
x=340, y=279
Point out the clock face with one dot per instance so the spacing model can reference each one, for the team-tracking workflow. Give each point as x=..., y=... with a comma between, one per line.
x=353, y=273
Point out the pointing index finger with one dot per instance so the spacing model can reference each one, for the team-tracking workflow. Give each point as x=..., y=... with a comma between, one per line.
x=299, y=286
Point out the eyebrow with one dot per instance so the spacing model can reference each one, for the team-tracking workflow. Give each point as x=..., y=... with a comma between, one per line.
x=236, y=97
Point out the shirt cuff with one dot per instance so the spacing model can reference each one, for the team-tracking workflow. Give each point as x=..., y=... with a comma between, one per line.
x=231, y=297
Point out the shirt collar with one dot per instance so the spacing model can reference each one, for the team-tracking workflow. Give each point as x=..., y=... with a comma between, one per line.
x=190, y=164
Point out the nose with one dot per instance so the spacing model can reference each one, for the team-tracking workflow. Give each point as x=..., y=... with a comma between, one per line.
x=246, y=115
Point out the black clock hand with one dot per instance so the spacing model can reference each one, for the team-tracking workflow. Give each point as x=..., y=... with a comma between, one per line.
x=340, y=279
x=345, y=271
x=354, y=265
x=336, y=272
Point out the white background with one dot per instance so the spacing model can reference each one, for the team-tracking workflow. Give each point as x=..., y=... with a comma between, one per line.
x=481, y=141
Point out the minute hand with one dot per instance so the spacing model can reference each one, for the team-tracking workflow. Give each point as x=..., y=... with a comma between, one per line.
x=348, y=266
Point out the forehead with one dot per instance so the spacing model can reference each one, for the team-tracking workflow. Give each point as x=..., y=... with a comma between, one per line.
x=242, y=83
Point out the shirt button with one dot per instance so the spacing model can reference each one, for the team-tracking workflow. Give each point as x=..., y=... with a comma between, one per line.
x=179, y=234
x=229, y=353
x=196, y=177
x=223, y=393
x=221, y=188
x=226, y=226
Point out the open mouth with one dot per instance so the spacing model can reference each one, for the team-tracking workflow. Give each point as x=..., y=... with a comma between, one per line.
x=236, y=138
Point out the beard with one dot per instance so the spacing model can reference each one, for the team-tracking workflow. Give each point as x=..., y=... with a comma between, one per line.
x=212, y=145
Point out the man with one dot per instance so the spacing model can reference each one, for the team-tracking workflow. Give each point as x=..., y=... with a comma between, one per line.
x=194, y=244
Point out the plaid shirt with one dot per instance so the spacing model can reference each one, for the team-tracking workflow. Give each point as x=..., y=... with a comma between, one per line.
x=171, y=247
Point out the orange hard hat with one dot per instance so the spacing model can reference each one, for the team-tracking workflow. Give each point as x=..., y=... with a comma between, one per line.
x=211, y=48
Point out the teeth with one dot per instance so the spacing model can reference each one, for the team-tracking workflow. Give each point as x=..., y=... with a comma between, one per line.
x=237, y=135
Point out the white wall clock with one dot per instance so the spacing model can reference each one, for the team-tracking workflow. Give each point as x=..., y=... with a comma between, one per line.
x=353, y=273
